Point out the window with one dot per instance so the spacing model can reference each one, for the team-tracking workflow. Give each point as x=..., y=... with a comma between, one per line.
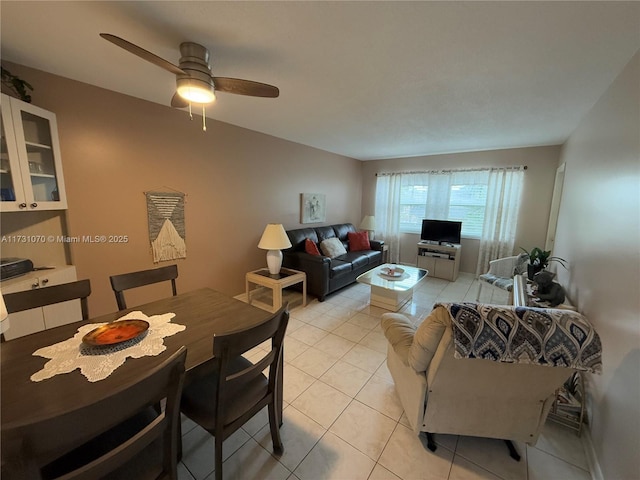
x=457, y=196
x=485, y=200
x=467, y=205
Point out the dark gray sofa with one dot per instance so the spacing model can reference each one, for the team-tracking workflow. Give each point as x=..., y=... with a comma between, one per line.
x=326, y=275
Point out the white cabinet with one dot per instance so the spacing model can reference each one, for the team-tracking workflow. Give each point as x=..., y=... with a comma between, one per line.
x=30, y=162
x=37, y=319
x=442, y=261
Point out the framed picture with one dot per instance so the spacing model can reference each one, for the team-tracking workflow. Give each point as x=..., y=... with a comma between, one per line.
x=313, y=208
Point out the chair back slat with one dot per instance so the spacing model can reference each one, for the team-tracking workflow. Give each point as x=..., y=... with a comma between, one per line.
x=127, y=281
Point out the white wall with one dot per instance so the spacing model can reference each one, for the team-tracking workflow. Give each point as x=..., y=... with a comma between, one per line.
x=599, y=233
x=539, y=178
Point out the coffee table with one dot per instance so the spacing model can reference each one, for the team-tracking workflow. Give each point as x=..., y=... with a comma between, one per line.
x=276, y=283
x=388, y=292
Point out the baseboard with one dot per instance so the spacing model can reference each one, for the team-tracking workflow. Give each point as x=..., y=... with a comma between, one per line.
x=590, y=452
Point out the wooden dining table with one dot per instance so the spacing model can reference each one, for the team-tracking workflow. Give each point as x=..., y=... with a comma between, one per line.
x=204, y=312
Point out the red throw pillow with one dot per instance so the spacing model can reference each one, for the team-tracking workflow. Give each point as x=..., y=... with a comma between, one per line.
x=359, y=241
x=310, y=247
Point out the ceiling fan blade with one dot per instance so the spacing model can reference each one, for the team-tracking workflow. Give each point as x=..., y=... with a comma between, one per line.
x=178, y=102
x=144, y=54
x=245, y=87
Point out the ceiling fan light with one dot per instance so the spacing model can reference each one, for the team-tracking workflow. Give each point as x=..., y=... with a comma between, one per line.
x=195, y=91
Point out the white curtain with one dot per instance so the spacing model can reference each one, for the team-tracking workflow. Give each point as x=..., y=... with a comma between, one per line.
x=500, y=216
x=387, y=213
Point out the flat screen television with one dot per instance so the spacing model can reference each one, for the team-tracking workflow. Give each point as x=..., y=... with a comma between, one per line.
x=441, y=231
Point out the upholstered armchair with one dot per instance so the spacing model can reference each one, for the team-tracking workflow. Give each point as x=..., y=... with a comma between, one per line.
x=501, y=272
x=480, y=370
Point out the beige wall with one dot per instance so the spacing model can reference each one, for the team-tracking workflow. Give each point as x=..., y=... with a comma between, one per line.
x=536, y=197
x=599, y=233
x=116, y=147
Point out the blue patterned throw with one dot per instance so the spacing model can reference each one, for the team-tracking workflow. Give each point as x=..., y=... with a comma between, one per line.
x=541, y=336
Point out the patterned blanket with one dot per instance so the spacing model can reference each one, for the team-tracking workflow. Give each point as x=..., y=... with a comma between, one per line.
x=551, y=337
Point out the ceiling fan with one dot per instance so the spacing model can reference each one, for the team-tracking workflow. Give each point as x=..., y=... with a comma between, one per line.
x=194, y=82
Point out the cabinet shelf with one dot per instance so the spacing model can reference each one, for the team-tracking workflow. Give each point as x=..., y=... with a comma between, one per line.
x=442, y=261
x=37, y=146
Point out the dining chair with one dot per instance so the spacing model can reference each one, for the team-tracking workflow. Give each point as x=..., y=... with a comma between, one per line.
x=126, y=281
x=234, y=389
x=119, y=437
x=41, y=297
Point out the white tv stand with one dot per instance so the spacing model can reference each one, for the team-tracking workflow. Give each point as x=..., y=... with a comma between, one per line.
x=442, y=261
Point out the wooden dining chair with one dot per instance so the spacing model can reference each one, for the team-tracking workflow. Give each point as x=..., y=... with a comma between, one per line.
x=235, y=389
x=119, y=437
x=126, y=281
x=43, y=296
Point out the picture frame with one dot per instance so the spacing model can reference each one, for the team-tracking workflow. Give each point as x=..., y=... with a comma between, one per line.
x=313, y=207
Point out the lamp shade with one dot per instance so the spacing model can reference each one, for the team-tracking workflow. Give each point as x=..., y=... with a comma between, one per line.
x=368, y=223
x=274, y=238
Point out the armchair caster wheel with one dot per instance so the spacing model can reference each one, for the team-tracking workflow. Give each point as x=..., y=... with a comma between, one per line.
x=431, y=444
x=513, y=453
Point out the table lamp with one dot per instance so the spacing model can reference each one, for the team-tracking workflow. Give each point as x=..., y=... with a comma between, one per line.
x=369, y=224
x=274, y=239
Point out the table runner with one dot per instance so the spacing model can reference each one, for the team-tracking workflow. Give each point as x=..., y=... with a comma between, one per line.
x=97, y=363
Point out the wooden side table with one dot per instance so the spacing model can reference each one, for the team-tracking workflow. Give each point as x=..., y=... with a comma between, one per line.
x=276, y=283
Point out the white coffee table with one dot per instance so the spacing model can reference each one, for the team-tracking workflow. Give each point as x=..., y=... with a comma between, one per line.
x=388, y=292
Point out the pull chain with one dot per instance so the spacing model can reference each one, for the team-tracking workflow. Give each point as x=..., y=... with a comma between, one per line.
x=204, y=120
x=190, y=114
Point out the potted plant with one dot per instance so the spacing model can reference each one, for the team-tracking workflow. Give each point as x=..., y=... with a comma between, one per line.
x=16, y=86
x=539, y=259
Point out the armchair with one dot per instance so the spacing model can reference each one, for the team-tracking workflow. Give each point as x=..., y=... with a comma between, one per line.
x=454, y=375
x=501, y=272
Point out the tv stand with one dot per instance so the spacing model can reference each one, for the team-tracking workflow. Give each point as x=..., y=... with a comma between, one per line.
x=442, y=261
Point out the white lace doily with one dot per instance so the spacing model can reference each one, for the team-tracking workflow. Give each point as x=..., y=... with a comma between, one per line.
x=97, y=363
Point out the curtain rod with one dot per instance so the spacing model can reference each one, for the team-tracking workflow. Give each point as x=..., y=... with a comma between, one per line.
x=480, y=169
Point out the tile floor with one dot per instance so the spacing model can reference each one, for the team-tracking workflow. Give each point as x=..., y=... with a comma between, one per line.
x=342, y=420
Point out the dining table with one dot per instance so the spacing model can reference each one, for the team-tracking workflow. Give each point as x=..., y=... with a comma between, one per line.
x=204, y=312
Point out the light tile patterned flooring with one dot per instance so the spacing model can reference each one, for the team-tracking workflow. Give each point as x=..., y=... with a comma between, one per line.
x=343, y=421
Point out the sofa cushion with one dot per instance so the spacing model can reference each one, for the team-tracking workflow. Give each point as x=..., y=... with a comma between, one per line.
x=355, y=258
x=342, y=231
x=339, y=268
x=400, y=332
x=298, y=237
x=427, y=338
x=332, y=247
x=310, y=247
x=324, y=233
x=359, y=241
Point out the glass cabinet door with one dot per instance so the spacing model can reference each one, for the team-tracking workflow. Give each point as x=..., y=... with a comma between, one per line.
x=41, y=161
x=32, y=172
x=11, y=191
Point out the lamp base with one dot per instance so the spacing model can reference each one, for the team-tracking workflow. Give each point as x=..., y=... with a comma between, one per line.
x=274, y=261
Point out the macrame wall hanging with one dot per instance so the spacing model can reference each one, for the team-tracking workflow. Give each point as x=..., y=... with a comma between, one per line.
x=165, y=211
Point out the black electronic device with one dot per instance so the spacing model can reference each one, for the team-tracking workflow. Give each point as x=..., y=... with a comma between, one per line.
x=14, y=267
x=440, y=231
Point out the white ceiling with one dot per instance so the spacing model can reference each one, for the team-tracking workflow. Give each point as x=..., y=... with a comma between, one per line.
x=364, y=79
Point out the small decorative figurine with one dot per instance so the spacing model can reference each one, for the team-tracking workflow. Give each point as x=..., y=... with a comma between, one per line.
x=547, y=290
